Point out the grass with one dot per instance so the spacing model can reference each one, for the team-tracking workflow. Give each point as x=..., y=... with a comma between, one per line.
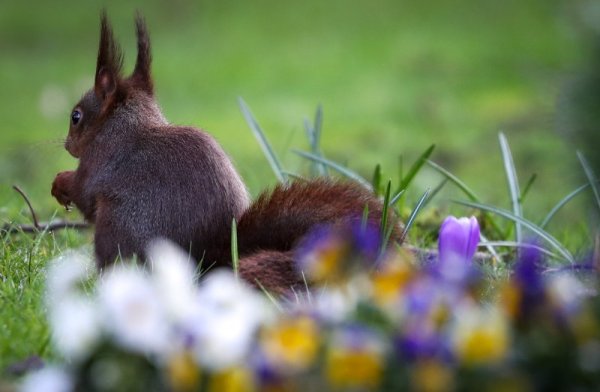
x=23, y=259
x=392, y=79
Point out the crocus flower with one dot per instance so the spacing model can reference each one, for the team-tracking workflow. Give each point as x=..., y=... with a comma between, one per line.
x=480, y=335
x=133, y=312
x=173, y=276
x=457, y=244
x=333, y=253
x=292, y=344
x=525, y=294
x=66, y=274
x=229, y=314
x=76, y=326
x=355, y=358
x=50, y=379
x=73, y=315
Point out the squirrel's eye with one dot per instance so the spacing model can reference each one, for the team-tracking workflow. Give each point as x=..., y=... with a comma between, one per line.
x=75, y=117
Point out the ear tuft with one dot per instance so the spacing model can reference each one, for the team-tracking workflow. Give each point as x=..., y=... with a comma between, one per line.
x=109, y=63
x=141, y=77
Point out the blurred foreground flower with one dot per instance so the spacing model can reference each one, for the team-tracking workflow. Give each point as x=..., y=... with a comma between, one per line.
x=228, y=315
x=291, y=345
x=173, y=275
x=332, y=254
x=48, y=379
x=370, y=323
x=355, y=358
x=73, y=316
x=132, y=310
x=480, y=335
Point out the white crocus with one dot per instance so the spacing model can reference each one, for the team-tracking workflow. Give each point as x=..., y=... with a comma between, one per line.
x=480, y=335
x=173, y=276
x=66, y=273
x=72, y=314
x=229, y=316
x=334, y=304
x=132, y=310
x=567, y=291
x=48, y=379
x=76, y=326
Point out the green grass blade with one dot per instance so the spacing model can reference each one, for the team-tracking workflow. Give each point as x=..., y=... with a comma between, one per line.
x=235, y=259
x=313, y=132
x=335, y=166
x=513, y=244
x=561, y=203
x=589, y=173
x=414, y=169
x=490, y=248
x=400, y=169
x=384, y=214
x=524, y=222
x=294, y=176
x=377, y=179
x=513, y=184
x=455, y=180
x=525, y=190
x=365, y=218
x=262, y=141
x=269, y=296
x=435, y=191
x=413, y=215
x=396, y=198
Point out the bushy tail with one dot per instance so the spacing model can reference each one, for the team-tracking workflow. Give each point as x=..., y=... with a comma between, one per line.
x=274, y=224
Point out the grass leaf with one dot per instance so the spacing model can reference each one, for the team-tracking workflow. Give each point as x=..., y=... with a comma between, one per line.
x=561, y=203
x=295, y=176
x=313, y=132
x=335, y=166
x=235, y=260
x=396, y=198
x=413, y=215
x=414, y=169
x=263, y=142
x=377, y=179
x=365, y=218
x=589, y=173
x=525, y=190
x=384, y=215
x=455, y=180
x=269, y=296
x=530, y=225
x=435, y=191
x=513, y=244
x=513, y=184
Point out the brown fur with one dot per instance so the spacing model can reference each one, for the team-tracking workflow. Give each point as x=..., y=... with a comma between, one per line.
x=271, y=228
x=140, y=178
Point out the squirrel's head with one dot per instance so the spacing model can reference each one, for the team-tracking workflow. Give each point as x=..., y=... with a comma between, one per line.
x=112, y=91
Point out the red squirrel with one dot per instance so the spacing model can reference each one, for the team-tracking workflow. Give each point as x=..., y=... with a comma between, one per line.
x=140, y=178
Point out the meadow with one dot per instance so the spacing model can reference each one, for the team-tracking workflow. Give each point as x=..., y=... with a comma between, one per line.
x=392, y=78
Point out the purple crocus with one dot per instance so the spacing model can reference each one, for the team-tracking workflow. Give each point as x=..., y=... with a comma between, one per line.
x=457, y=244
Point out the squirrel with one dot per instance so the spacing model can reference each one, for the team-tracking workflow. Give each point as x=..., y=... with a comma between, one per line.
x=140, y=178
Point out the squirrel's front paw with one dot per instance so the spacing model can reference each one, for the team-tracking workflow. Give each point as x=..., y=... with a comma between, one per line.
x=61, y=187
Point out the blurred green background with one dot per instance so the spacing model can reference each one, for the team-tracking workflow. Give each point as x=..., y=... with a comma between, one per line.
x=393, y=77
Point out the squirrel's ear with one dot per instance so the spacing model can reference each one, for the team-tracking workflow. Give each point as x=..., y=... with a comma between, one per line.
x=141, y=77
x=109, y=63
x=106, y=84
